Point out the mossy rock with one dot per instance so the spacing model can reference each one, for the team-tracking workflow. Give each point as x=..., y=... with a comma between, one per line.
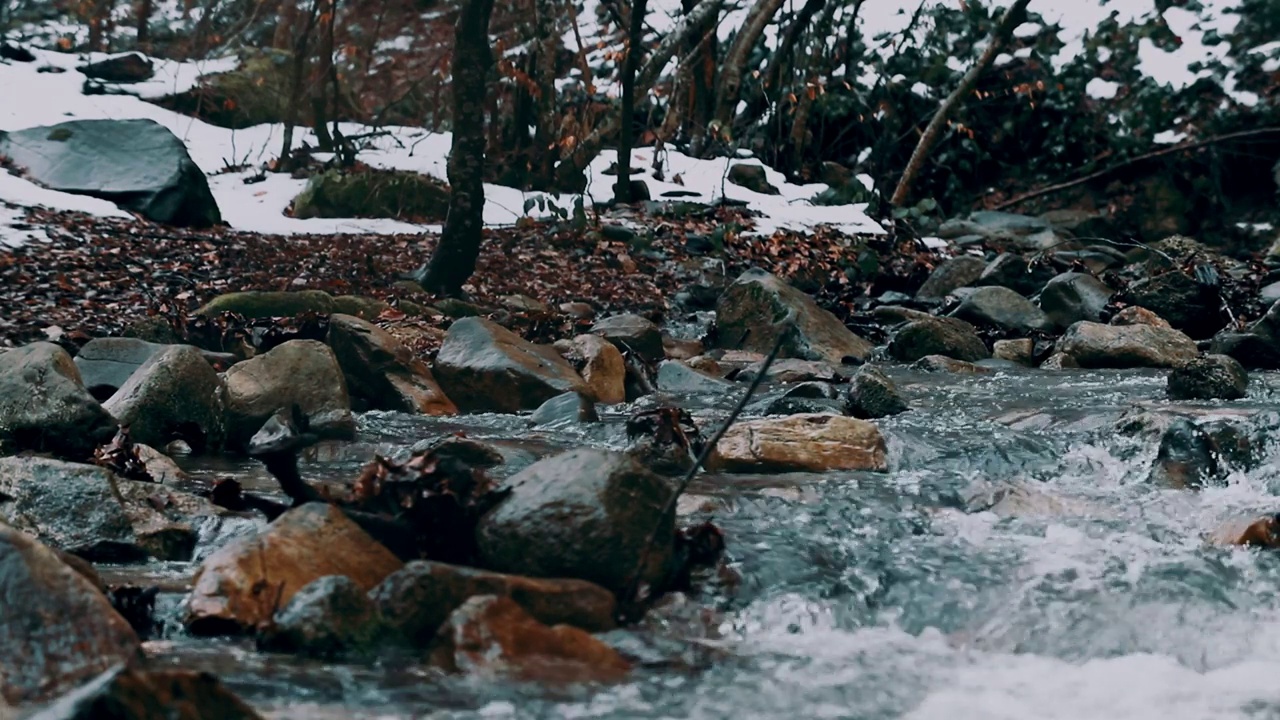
x=395, y=194
x=263, y=304
x=361, y=307
x=253, y=94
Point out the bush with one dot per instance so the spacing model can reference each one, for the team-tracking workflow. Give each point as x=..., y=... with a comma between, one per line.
x=395, y=194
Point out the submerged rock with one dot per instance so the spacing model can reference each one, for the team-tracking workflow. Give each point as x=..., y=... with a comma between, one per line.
x=1208, y=377
x=873, y=395
x=174, y=394
x=484, y=367
x=299, y=372
x=800, y=443
x=123, y=693
x=328, y=617
x=382, y=371
x=1093, y=345
x=570, y=407
x=937, y=336
x=44, y=406
x=944, y=364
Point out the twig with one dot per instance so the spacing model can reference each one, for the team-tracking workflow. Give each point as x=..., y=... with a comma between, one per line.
x=785, y=326
x=1050, y=189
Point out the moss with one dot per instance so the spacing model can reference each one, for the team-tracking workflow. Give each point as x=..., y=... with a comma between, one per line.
x=253, y=94
x=255, y=304
x=361, y=307
x=394, y=194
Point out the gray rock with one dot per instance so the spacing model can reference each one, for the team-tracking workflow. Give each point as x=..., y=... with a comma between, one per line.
x=130, y=67
x=953, y=273
x=790, y=370
x=483, y=367
x=1270, y=294
x=937, y=336
x=679, y=379
x=301, y=372
x=1209, y=377
x=69, y=506
x=566, y=408
x=895, y=314
x=44, y=406
x=1002, y=308
x=137, y=164
x=1072, y=297
x=632, y=333
x=1094, y=345
x=380, y=370
x=1186, y=457
x=1180, y=300
x=106, y=364
x=1252, y=350
x=584, y=514
x=747, y=310
x=1059, y=361
x=873, y=395
x=175, y=394
x=1004, y=222
x=1017, y=273
x=329, y=617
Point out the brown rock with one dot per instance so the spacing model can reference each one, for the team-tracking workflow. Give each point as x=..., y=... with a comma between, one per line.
x=126, y=694
x=494, y=635
x=1261, y=532
x=603, y=368
x=380, y=369
x=1021, y=351
x=304, y=372
x=484, y=367
x=944, y=364
x=244, y=583
x=1059, y=361
x=801, y=443
x=1135, y=315
x=1124, y=346
x=677, y=349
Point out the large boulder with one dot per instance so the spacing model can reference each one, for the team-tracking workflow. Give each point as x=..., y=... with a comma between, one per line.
x=106, y=364
x=244, y=583
x=137, y=164
x=800, y=443
x=634, y=333
x=72, y=507
x=1094, y=345
x=415, y=600
x=175, y=394
x=130, y=67
x=45, y=407
x=301, y=372
x=951, y=274
x=1208, y=377
x=937, y=336
x=1186, y=304
x=382, y=371
x=1072, y=297
x=1002, y=308
x=748, y=310
x=583, y=514
x=57, y=629
x=124, y=693
x=484, y=367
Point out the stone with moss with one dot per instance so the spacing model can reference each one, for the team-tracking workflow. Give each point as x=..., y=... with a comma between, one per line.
x=255, y=93
x=394, y=194
x=263, y=304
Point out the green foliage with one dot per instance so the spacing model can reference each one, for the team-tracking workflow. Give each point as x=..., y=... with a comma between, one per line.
x=368, y=193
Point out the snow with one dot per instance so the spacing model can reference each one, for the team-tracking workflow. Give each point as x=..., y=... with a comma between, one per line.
x=1102, y=89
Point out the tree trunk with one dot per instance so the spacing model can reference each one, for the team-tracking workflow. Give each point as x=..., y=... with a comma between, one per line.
x=297, y=79
x=454, y=259
x=100, y=24
x=142, y=10
x=772, y=86
x=1011, y=19
x=545, y=126
x=286, y=16
x=735, y=61
x=320, y=71
x=626, y=127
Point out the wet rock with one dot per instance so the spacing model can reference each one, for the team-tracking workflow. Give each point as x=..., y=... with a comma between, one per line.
x=241, y=586
x=632, y=333
x=1208, y=377
x=483, y=367
x=1135, y=315
x=494, y=635
x=57, y=629
x=1186, y=457
x=601, y=366
x=937, y=336
x=383, y=372
x=997, y=222
x=680, y=379
x=956, y=272
x=175, y=394
x=1059, y=361
x=896, y=314
x=944, y=364
x=873, y=395
x=1002, y=308
x=706, y=365
x=570, y=407
x=800, y=443
x=45, y=407
x=299, y=372
x=791, y=370
x=264, y=304
x=1093, y=345
x=1185, y=304
x=417, y=599
x=123, y=693
x=328, y=617
x=788, y=405
x=680, y=349
x=1071, y=297
x=583, y=514
x=106, y=364
x=124, y=68
x=748, y=309
x=1258, y=532
x=1021, y=351
x=1016, y=273
x=751, y=177
x=1251, y=350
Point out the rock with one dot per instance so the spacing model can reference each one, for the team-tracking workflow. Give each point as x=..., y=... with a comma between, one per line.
x=265, y=304
x=1179, y=299
x=137, y=164
x=1134, y=315
x=371, y=193
x=16, y=53
x=873, y=395
x=1093, y=345
x=800, y=443
x=937, y=336
x=484, y=367
x=634, y=333
x=44, y=406
x=1270, y=294
x=680, y=349
x=790, y=370
x=583, y=514
x=1059, y=361
x=489, y=634
x=123, y=693
x=153, y=329
x=1208, y=377
x=161, y=535
x=1021, y=351
x=996, y=222
x=367, y=308
x=1186, y=457
x=1002, y=308
x=523, y=303
x=896, y=314
x=242, y=585
x=57, y=629
x=578, y=310
x=383, y=372
x=417, y=599
x=1249, y=349
x=751, y=177
x=1072, y=296
x=747, y=310
x=956, y=272
x=256, y=92
x=944, y=364
x=69, y=506
x=106, y=364
x=301, y=372
x=1016, y=273
x=328, y=617
x=836, y=175
x=124, y=68
x=679, y=379
x=602, y=368
x=567, y=408
x=175, y=394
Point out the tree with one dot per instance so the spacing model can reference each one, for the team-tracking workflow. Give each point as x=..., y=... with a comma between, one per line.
x=454, y=259
x=622, y=189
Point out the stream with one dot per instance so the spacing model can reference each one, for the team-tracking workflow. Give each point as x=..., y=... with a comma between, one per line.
x=899, y=595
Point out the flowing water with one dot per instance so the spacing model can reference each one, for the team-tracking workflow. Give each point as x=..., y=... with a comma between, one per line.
x=1089, y=594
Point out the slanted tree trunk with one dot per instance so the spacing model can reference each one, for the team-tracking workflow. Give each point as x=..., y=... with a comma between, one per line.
x=1004, y=29
x=454, y=259
x=626, y=128
x=321, y=71
x=142, y=10
x=729, y=82
x=771, y=88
